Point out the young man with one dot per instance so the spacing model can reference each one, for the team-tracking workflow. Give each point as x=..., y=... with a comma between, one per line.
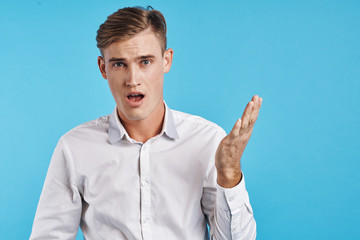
x=146, y=171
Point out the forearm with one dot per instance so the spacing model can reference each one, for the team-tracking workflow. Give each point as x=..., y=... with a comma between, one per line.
x=229, y=178
x=59, y=209
x=233, y=214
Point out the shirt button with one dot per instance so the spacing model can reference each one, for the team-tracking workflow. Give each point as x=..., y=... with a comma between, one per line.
x=231, y=199
x=146, y=220
x=143, y=183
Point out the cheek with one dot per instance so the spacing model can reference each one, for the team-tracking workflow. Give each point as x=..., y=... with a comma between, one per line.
x=158, y=90
x=115, y=86
x=158, y=76
x=158, y=82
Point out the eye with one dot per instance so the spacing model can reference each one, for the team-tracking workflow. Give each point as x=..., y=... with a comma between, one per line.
x=118, y=64
x=145, y=62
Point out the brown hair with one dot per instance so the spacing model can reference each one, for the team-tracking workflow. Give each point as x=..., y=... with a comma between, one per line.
x=127, y=22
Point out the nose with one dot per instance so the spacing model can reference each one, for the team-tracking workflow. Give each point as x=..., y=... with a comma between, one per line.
x=132, y=79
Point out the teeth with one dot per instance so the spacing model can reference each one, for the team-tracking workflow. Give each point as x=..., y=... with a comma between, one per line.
x=135, y=97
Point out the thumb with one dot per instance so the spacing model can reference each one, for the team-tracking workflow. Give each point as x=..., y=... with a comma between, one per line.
x=236, y=129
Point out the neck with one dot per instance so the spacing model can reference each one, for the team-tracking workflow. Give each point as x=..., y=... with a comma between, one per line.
x=144, y=129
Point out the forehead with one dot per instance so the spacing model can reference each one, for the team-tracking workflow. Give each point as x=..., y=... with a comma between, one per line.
x=142, y=44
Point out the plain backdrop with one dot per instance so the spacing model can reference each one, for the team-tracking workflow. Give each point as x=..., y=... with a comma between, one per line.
x=303, y=57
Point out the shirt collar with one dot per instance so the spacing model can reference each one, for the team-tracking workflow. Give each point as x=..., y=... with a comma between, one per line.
x=169, y=127
x=118, y=132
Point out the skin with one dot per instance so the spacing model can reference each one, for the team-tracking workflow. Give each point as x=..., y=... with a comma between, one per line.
x=231, y=148
x=138, y=65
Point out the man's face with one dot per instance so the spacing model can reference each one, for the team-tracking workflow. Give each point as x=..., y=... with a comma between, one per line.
x=135, y=72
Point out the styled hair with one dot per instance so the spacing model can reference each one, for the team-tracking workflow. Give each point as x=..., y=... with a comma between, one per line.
x=127, y=22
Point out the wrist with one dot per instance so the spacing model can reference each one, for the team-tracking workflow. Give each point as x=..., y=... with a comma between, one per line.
x=229, y=178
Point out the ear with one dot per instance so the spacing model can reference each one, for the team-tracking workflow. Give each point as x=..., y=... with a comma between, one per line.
x=101, y=64
x=167, y=60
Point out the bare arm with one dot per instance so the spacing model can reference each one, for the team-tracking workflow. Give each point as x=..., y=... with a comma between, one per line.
x=231, y=148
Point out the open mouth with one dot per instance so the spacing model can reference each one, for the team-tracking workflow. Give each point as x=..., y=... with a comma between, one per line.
x=135, y=97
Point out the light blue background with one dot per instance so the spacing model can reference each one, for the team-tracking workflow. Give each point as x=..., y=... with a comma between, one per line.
x=303, y=57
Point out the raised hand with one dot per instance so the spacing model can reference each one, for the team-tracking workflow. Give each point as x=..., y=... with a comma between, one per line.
x=231, y=148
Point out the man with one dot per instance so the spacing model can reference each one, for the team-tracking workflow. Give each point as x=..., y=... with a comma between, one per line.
x=146, y=171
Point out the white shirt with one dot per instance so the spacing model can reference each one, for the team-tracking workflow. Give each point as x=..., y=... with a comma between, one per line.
x=117, y=188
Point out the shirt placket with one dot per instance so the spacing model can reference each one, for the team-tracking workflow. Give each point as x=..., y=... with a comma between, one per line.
x=145, y=192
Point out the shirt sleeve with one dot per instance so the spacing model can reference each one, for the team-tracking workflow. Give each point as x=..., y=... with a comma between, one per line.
x=228, y=211
x=59, y=210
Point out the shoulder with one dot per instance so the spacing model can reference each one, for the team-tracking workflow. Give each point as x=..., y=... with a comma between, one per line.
x=195, y=123
x=89, y=130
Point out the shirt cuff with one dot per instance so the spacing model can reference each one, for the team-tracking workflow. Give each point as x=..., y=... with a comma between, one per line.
x=232, y=198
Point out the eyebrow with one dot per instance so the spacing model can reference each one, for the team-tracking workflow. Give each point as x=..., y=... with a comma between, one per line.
x=117, y=59
x=123, y=59
x=146, y=56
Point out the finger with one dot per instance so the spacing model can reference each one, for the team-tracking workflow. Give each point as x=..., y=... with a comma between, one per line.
x=246, y=115
x=236, y=128
x=255, y=98
x=255, y=112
